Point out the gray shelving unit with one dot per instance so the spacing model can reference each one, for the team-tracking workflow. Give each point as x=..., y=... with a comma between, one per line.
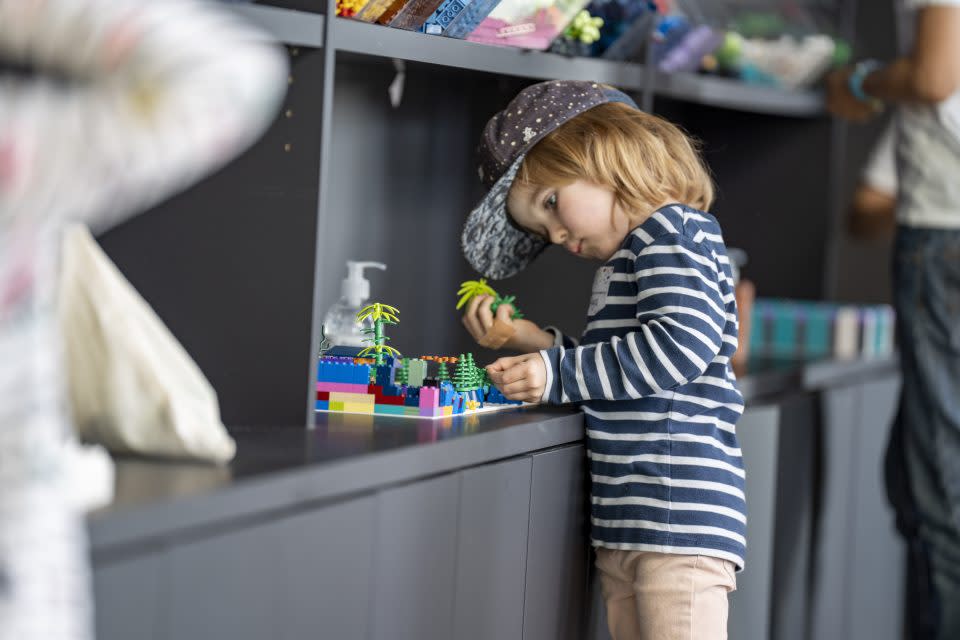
x=351, y=37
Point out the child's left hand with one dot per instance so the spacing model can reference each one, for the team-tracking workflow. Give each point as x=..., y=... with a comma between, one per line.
x=520, y=377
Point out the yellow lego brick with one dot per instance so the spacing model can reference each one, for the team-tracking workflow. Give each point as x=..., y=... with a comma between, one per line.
x=447, y=411
x=336, y=406
x=358, y=407
x=352, y=398
x=473, y=404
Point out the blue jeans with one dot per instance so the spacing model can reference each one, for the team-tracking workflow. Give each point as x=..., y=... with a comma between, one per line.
x=923, y=458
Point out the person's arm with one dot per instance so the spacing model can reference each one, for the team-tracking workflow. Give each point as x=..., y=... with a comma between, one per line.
x=678, y=329
x=929, y=75
x=157, y=95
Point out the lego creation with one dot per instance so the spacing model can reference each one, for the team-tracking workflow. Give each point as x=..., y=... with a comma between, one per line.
x=381, y=381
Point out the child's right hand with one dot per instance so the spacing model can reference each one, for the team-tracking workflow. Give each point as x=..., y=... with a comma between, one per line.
x=527, y=336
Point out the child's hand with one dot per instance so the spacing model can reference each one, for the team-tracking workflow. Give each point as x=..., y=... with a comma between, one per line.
x=520, y=377
x=501, y=330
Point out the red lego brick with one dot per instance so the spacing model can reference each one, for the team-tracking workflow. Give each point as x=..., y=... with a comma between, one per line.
x=323, y=395
x=391, y=400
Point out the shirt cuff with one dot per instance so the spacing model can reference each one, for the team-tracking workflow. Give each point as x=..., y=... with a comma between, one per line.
x=551, y=389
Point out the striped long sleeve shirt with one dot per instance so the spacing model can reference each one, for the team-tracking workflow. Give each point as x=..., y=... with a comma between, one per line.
x=653, y=375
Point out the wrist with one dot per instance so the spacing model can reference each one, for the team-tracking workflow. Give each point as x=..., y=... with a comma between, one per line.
x=855, y=82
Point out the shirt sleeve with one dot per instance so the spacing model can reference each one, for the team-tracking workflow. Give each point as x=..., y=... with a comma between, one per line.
x=560, y=339
x=680, y=317
x=881, y=170
x=133, y=101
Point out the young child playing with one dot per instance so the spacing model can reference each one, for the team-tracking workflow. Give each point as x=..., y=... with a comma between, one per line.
x=579, y=165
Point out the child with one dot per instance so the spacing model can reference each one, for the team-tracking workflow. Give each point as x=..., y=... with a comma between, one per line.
x=579, y=165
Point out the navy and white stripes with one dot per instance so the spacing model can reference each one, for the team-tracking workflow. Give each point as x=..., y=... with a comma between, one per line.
x=661, y=403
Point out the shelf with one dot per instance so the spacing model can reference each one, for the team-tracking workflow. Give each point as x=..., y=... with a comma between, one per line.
x=733, y=94
x=306, y=29
x=375, y=40
x=300, y=28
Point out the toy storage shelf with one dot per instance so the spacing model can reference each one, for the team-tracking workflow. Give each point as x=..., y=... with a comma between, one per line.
x=733, y=94
x=375, y=40
x=300, y=28
x=307, y=29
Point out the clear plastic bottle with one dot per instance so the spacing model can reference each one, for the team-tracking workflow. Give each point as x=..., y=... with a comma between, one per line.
x=340, y=323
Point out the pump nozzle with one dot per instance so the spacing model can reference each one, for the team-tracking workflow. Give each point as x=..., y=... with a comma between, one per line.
x=355, y=287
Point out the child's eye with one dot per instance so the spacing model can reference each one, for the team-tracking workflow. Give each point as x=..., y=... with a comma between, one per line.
x=551, y=201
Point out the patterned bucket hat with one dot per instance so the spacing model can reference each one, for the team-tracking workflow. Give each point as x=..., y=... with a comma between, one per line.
x=492, y=243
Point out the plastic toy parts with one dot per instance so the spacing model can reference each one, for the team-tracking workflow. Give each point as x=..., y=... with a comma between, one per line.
x=403, y=387
x=386, y=383
x=500, y=332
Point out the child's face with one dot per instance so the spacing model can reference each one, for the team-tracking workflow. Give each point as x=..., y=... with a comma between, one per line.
x=583, y=217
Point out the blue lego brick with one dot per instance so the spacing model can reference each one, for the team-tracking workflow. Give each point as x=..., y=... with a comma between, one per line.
x=343, y=372
x=385, y=375
x=413, y=397
x=392, y=390
x=323, y=405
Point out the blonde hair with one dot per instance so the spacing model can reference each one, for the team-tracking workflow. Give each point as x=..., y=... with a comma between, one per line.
x=645, y=160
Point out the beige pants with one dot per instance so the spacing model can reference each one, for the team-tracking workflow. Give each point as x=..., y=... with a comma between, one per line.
x=661, y=596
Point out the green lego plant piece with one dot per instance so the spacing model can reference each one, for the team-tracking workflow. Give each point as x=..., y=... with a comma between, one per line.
x=584, y=28
x=463, y=376
x=443, y=373
x=470, y=289
x=402, y=376
x=380, y=314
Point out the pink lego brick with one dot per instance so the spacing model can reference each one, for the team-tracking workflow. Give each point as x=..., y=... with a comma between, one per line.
x=341, y=387
x=429, y=398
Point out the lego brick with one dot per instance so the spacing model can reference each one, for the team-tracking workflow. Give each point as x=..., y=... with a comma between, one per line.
x=411, y=411
x=344, y=372
x=341, y=387
x=322, y=405
x=353, y=398
x=323, y=395
x=429, y=397
x=391, y=400
x=358, y=407
x=430, y=412
x=335, y=406
x=447, y=411
x=417, y=372
x=390, y=409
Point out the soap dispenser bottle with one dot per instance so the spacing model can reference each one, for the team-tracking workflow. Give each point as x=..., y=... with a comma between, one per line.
x=340, y=323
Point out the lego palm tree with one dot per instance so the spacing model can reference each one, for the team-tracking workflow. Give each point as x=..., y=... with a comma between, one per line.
x=380, y=315
x=473, y=288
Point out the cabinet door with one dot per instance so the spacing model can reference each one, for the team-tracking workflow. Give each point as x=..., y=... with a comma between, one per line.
x=293, y=577
x=558, y=546
x=127, y=597
x=415, y=560
x=492, y=551
x=758, y=433
x=877, y=552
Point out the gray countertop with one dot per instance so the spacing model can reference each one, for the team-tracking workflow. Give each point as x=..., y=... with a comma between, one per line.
x=280, y=469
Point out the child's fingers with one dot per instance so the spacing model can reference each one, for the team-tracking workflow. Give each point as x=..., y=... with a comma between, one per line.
x=470, y=320
x=504, y=313
x=484, y=314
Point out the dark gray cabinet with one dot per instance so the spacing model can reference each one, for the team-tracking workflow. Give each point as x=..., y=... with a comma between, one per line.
x=128, y=596
x=492, y=551
x=558, y=547
x=415, y=560
x=859, y=558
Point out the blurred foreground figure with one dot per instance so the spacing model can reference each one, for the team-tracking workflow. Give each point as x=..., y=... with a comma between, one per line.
x=126, y=102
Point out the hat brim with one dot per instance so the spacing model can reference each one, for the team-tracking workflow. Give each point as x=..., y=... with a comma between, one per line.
x=492, y=244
